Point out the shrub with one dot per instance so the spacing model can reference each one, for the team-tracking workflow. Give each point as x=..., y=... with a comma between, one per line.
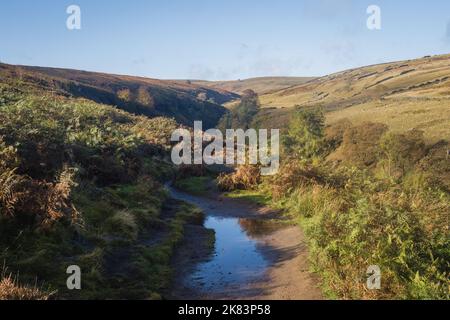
x=75, y=176
x=244, y=178
x=403, y=228
x=305, y=137
x=9, y=159
x=402, y=151
x=37, y=203
x=360, y=144
x=293, y=175
x=334, y=134
x=353, y=219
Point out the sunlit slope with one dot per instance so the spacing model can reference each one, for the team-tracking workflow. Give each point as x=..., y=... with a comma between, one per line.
x=404, y=95
x=262, y=85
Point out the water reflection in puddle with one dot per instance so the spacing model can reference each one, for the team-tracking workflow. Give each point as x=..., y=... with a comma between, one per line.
x=236, y=259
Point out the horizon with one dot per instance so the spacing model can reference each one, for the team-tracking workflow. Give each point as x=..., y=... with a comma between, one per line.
x=218, y=80
x=221, y=41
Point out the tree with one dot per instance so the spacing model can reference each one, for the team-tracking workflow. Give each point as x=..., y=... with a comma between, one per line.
x=305, y=136
x=242, y=115
x=144, y=97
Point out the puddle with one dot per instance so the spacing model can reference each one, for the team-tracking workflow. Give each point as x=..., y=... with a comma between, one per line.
x=238, y=257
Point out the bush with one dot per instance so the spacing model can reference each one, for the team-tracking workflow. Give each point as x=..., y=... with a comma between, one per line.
x=334, y=134
x=360, y=144
x=244, y=178
x=402, y=228
x=355, y=218
x=402, y=151
x=305, y=137
x=293, y=175
x=78, y=181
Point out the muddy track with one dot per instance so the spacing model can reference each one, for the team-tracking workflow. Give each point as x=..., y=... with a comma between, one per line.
x=267, y=260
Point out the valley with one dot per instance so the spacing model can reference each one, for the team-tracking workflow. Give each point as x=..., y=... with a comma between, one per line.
x=86, y=178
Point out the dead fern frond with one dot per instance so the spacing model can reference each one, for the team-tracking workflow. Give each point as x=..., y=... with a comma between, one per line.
x=9, y=191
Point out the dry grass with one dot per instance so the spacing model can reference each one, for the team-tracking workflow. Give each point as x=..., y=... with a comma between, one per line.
x=404, y=95
x=422, y=77
x=245, y=177
x=10, y=289
x=259, y=85
x=9, y=195
x=48, y=202
x=401, y=115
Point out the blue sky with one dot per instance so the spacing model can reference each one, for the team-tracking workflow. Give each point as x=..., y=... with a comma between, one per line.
x=220, y=39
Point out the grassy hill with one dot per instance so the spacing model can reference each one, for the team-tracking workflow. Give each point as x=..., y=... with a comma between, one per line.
x=403, y=95
x=177, y=99
x=82, y=183
x=365, y=172
x=262, y=85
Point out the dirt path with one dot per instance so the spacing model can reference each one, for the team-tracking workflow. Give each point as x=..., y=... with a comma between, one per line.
x=283, y=249
x=288, y=277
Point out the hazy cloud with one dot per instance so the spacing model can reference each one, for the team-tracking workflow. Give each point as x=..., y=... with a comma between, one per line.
x=255, y=61
x=340, y=52
x=447, y=33
x=266, y=66
x=203, y=72
x=139, y=61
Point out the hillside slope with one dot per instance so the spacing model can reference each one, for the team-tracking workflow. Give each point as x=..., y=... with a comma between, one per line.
x=403, y=95
x=262, y=85
x=183, y=101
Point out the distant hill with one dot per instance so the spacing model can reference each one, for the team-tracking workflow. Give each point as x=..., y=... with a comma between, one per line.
x=261, y=85
x=181, y=100
x=404, y=95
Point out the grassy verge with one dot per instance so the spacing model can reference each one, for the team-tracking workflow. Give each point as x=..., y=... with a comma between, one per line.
x=124, y=251
x=82, y=184
x=385, y=203
x=194, y=185
x=253, y=196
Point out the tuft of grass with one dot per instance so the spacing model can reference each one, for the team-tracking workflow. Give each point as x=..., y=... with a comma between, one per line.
x=11, y=289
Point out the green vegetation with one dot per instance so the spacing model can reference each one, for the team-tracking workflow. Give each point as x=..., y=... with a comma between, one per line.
x=82, y=184
x=241, y=116
x=252, y=196
x=194, y=185
x=304, y=138
x=139, y=96
x=378, y=205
